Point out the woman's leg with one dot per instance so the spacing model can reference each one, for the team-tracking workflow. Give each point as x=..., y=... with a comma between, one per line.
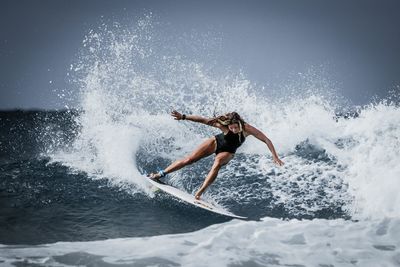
x=203, y=150
x=220, y=160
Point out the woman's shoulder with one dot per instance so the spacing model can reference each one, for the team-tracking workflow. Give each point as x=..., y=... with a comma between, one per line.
x=247, y=129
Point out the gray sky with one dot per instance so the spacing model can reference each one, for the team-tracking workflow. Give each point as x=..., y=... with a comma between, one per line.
x=356, y=42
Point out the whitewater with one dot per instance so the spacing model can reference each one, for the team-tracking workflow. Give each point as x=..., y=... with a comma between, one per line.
x=335, y=202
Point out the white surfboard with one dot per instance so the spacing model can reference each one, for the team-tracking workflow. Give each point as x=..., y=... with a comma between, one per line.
x=191, y=199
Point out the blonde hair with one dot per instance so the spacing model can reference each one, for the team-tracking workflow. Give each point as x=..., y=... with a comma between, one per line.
x=228, y=118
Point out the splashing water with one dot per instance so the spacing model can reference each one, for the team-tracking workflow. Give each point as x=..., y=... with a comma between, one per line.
x=129, y=80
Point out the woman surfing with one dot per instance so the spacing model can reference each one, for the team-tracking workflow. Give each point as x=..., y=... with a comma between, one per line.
x=224, y=145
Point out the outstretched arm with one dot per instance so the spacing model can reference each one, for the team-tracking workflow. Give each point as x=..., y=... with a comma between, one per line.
x=263, y=138
x=195, y=118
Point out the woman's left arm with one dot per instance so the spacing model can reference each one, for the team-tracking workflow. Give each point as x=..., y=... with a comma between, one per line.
x=263, y=138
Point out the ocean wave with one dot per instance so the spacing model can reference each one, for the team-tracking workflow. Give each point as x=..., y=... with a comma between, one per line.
x=270, y=242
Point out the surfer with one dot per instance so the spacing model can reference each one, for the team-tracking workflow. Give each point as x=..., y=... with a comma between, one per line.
x=224, y=145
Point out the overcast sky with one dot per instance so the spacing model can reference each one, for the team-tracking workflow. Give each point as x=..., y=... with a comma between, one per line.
x=356, y=42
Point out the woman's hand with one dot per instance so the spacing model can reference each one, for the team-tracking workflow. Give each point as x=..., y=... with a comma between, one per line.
x=177, y=116
x=277, y=161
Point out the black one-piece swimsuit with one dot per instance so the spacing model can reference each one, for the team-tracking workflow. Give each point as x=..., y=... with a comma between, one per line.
x=228, y=142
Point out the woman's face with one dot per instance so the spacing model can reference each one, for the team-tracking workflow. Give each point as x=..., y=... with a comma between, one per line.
x=234, y=127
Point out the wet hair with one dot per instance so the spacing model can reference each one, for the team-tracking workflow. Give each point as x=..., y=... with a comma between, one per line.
x=228, y=118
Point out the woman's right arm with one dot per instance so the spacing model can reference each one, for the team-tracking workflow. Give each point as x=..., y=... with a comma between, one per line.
x=195, y=118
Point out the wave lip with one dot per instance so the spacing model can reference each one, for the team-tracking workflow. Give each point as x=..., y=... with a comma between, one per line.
x=269, y=242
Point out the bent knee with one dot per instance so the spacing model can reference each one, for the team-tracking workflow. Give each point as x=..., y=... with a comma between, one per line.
x=189, y=160
x=218, y=164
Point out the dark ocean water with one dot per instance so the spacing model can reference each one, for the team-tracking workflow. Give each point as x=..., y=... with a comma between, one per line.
x=43, y=201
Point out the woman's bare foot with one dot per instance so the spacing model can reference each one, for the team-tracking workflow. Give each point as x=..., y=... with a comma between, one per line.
x=198, y=194
x=155, y=176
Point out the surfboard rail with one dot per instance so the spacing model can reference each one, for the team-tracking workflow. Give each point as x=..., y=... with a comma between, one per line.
x=188, y=198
